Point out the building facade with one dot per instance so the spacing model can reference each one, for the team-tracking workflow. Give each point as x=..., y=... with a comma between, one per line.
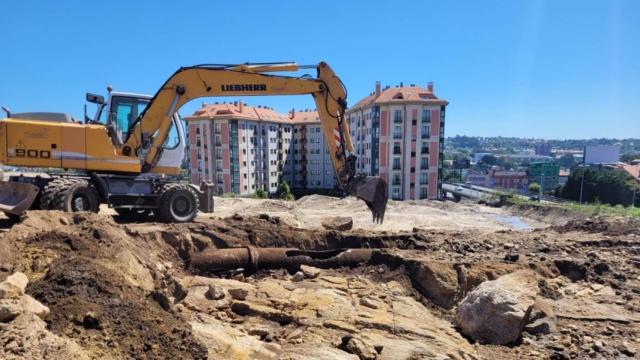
x=243, y=148
x=398, y=134
x=511, y=180
x=545, y=173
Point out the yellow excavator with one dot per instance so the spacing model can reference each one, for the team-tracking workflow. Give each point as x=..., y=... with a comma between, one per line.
x=130, y=153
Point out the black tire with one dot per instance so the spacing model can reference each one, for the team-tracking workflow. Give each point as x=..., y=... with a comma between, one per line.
x=13, y=217
x=70, y=194
x=178, y=203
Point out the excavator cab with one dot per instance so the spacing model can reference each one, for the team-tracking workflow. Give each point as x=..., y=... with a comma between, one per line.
x=120, y=113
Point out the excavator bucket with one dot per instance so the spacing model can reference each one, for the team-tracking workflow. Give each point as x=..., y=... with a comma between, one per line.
x=16, y=197
x=373, y=191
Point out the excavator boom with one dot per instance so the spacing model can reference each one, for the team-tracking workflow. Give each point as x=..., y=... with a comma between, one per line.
x=327, y=89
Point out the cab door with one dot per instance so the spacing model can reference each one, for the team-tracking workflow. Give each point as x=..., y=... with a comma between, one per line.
x=173, y=150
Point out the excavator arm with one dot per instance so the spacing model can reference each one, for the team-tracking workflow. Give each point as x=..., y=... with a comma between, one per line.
x=149, y=132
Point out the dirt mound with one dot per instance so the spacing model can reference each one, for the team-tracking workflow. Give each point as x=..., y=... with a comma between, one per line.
x=98, y=282
x=601, y=224
x=90, y=304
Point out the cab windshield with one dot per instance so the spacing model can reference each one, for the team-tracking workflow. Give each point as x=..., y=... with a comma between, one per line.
x=124, y=112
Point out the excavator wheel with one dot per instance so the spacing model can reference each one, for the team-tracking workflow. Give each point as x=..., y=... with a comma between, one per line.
x=70, y=194
x=178, y=203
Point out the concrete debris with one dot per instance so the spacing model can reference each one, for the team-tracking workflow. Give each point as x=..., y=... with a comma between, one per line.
x=339, y=223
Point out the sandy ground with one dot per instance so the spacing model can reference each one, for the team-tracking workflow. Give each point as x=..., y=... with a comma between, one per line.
x=308, y=211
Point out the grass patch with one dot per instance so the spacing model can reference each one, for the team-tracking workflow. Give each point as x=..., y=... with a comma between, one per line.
x=585, y=209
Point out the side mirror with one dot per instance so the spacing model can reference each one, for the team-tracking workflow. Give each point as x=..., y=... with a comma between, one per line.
x=96, y=99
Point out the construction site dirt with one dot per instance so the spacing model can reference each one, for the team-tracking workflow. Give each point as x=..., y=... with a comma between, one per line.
x=119, y=290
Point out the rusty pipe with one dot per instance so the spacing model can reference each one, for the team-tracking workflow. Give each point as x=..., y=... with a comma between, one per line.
x=218, y=260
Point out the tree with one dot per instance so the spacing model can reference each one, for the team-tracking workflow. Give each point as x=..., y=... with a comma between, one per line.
x=534, y=188
x=567, y=161
x=489, y=160
x=629, y=157
x=608, y=186
x=284, y=191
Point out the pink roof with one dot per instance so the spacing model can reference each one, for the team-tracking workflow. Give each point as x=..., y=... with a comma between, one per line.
x=233, y=110
x=633, y=170
x=246, y=112
x=305, y=117
x=400, y=95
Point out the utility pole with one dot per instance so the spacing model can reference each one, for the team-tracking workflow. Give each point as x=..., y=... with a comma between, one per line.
x=582, y=182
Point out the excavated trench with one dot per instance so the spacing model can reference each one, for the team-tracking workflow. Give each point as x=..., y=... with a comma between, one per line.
x=113, y=288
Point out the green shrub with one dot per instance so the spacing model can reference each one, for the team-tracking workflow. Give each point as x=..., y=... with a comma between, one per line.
x=260, y=194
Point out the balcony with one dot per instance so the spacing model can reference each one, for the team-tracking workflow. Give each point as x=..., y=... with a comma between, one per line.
x=397, y=136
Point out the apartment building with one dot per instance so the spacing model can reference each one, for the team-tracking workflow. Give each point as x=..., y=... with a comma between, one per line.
x=398, y=134
x=244, y=148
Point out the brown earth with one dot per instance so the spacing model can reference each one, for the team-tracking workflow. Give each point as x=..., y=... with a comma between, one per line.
x=126, y=290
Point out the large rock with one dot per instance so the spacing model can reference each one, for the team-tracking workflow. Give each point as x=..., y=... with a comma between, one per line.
x=438, y=281
x=340, y=223
x=27, y=337
x=497, y=311
x=13, y=286
x=11, y=308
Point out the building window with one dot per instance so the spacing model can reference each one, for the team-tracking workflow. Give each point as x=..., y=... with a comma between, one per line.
x=396, y=148
x=424, y=163
x=425, y=148
x=217, y=128
x=423, y=193
x=397, y=132
x=424, y=178
x=426, y=116
x=218, y=142
x=396, y=179
x=395, y=193
x=425, y=131
x=397, y=116
x=396, y=163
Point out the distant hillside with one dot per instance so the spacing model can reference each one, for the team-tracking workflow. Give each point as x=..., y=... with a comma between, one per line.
x=477, y=143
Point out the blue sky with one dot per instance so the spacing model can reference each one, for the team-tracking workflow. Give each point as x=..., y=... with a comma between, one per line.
x=546, y=69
